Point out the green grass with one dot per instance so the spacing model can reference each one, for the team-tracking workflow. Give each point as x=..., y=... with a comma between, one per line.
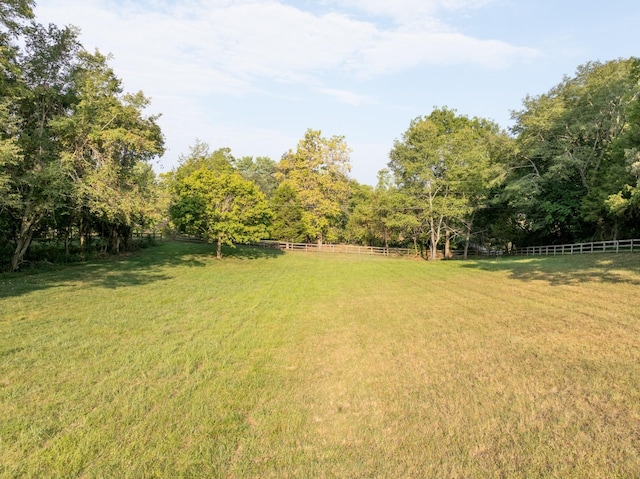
x=169, y=363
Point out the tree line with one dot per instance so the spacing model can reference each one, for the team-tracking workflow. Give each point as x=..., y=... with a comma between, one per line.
x=76, y=152
x=567, y=171
x=75, y=149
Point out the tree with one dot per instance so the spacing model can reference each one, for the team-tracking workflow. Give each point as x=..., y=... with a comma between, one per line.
x=485, y=171
x=624, y=205
x=566, y=164
x=108, y=144
x=261, y=171
x=12, y=14
x=378, y=217
x=318, y=172
x=221, y=207
x=73, y=147
x=74, y=150
x=441, y=165
x=288, y=215
x=32, y=176
x=359, y=228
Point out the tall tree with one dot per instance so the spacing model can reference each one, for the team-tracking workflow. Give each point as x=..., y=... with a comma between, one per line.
x=624, y=205
x=108, y=144
x=360, y=224
x=442, y=164
x=565, y=169
x=380, y=218
x=221, y=207
x=288, y=215
x=34, y=180
x=486, y=170
x=318, y=172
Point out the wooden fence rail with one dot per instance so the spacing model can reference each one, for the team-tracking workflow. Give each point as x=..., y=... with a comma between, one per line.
x=335, y=248
x=618, y=246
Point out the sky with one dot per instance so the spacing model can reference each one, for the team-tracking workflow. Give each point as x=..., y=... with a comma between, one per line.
x=255, y=75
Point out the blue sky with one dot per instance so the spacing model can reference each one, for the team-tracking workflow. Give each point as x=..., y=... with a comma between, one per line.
x=254, y=75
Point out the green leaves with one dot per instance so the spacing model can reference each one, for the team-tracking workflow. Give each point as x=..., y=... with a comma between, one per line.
x=318, y=172
x=221, y=207
x=446, y=164
x=288, y=214
x=74, y=148
x=13, y=12
x=571, y=144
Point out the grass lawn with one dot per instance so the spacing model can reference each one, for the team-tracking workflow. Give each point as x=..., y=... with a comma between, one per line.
x=169, y=363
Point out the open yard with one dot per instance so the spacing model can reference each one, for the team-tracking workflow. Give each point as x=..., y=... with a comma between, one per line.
x=169, y=363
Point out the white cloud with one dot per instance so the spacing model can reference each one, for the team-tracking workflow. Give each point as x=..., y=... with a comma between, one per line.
x=224, y=46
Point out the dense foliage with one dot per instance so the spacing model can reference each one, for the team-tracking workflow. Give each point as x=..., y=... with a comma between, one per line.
x=445, y=165
x=74, y=149
x=573, y=177
x=212, y=200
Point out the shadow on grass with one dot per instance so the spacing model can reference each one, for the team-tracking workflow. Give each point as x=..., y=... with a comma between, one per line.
x=248, y=252
x=567, y=269
x=131, y=269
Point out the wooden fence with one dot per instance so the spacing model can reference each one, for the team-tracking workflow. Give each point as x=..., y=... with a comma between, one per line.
x=618, y=246
x=187, y=239
x=335, y=248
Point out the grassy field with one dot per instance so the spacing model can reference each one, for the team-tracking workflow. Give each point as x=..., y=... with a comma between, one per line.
x=169, y=363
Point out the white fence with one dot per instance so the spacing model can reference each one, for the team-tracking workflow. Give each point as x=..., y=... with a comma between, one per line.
x=618, y=246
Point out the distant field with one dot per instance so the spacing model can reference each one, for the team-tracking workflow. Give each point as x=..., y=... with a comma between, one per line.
x=169, y=363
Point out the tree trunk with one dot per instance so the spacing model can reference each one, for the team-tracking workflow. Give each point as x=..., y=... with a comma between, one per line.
x=81, y=232
x=434, y=240
x=433, y=251
x=113, y=240
x=127, y=237
x=447, y=244
x=467, y=236
x=67, y=235
x=23, y=241
x=466, y=245
x=219, y=251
